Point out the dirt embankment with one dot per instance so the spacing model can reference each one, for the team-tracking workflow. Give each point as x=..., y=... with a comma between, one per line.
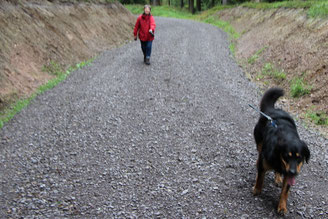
x=292, y=43
x=35, y=33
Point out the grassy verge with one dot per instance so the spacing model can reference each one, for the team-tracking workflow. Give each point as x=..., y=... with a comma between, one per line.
x=54, y=69
x=319, y=118
x=299, y=88
x=162, y=11
x=318, y=8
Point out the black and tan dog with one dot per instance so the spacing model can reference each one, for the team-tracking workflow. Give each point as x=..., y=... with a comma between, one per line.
x=279, y=146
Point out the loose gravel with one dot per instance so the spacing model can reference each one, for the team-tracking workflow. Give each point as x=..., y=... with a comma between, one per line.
x=120, y=139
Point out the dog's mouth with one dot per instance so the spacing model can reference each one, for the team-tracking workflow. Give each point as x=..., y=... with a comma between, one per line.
x=291, y=180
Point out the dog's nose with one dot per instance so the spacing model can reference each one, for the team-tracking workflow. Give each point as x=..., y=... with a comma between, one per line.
x=292, y=171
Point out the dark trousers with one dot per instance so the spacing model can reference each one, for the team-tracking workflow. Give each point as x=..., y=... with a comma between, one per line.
x=146, y=48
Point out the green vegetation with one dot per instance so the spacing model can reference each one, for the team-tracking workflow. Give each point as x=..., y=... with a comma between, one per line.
x=254, y=57
x=319, y=118
x=318, y=8
x=54, y=69
x=225, y=26
x=268, y=69
x=162, y=11
x=299, y=88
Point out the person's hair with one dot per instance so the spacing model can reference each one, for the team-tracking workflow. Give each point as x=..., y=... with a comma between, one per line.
x=147, y=6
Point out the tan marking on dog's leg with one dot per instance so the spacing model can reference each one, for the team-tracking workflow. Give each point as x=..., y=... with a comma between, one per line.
x=260, y=177
x=282, y=207
x=278, y=179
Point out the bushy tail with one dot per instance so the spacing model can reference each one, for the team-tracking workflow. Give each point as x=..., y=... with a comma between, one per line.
x=270, y=97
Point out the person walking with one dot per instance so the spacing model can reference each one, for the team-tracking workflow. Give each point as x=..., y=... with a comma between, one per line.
x=145, y=28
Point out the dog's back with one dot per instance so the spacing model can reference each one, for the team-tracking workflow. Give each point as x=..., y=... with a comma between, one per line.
x=269, y=98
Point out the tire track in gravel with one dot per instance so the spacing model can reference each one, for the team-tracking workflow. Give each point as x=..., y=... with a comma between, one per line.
x=120, y=139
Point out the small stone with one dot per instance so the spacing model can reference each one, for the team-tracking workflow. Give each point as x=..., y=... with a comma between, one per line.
x=185, y=192
x=244, y=216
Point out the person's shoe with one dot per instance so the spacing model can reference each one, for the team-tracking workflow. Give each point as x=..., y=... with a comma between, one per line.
x=147, y=61
x=144, y=59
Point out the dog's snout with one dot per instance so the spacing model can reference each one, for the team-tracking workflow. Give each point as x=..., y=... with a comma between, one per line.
x=292, y=171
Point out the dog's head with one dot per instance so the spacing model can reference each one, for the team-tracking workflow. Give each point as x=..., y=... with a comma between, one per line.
x=293, y=154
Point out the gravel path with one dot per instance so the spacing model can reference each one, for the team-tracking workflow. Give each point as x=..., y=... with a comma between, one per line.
x=120, y=139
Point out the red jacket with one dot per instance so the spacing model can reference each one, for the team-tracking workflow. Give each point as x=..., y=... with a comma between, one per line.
x=143, y=25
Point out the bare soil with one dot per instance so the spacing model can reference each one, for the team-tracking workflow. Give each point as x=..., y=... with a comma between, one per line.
x=34, y=33
x=293, y=43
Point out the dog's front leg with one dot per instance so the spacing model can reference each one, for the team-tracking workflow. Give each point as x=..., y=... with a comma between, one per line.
x=282, y=207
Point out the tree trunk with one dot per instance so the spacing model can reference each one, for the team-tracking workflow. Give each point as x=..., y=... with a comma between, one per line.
x=224, y=2
x=181, y=4
x=192, y=7
x=212, y=3
x=156, y=2
x=199, y=5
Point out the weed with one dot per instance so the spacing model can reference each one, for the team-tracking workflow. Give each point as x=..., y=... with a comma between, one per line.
x=279, y=75
x=52, y=68
x=319, y=118
x=269, y=70
x=254, y=57
x=299, y=88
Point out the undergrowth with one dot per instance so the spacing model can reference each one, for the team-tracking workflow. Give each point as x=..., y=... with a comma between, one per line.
x=318, y=8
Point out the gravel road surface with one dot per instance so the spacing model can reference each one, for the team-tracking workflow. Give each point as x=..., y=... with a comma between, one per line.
x=120, y=139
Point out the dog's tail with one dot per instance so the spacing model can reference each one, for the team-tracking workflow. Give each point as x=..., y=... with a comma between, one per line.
x=270, y=97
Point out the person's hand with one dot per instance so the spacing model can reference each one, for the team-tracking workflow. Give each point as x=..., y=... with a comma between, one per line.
x=151, y=32
x=135, y=38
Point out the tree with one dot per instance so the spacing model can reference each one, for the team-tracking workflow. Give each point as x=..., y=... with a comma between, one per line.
x=199, y=5
x=156, y=2
x=181, y=4
x=192, y=6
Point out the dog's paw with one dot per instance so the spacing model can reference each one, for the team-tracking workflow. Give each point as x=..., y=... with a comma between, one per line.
x=282, y=209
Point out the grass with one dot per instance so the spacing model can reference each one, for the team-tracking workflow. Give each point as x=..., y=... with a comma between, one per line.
x=269, y=70
x=254, y=57
x=299, y=88
x=225, y=26
x=52, y=68
x=319, y=118
x=162, y=11
x=318, y=8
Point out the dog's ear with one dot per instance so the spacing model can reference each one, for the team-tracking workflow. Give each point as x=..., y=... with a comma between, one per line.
x=305, y=152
